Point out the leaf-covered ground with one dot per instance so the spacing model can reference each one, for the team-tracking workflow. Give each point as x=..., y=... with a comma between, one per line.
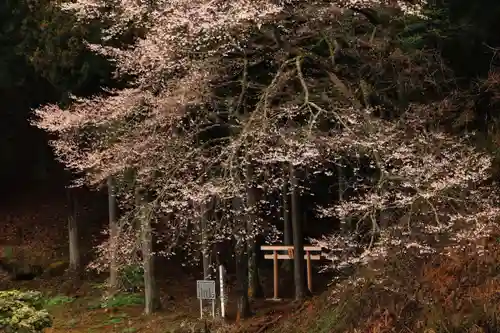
x=458, y=292
x=453, y=293
x=34, y=233
x=85, y=310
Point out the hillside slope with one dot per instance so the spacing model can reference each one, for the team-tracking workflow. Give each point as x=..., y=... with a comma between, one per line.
x=454, y=291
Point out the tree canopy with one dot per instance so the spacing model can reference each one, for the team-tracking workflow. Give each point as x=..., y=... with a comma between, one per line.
x=219, y=87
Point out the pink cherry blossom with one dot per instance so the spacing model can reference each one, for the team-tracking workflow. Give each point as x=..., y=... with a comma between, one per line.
x=153, y=129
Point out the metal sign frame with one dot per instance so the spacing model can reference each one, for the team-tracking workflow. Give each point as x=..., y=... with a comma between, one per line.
x=206, y=290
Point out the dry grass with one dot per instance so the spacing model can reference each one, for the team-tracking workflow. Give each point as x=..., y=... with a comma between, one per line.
x=458, y=293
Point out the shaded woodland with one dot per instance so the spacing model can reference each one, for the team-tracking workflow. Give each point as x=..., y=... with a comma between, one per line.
x=287, y=138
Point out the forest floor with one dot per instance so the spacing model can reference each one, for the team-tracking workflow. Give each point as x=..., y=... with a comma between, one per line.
x=34, y=232
x=458, y=292
x=83, y=310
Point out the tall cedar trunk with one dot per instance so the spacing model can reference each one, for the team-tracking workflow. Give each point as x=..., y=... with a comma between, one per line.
x=151, y=297
x=113, y=234
x=215, y=256
x=255, y=288
x=74, y=250
x=287, y=224
x=340, y=180
x=204, y=242
x=241, y=264
x=346, y=224
x=41, y=170
x=298, y=241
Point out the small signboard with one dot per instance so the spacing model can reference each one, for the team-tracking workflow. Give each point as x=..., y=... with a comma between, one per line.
x=205, y=289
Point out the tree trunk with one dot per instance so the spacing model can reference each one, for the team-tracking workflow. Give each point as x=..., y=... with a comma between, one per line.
x=74, y=250
x=298, y=240
x=346, y=223
x=255, y=289
x=113, y=234
x=151, y=297
x=41, y=171
x=287, y=224
x=241, y=264
x=205, y=255
x=242, y=277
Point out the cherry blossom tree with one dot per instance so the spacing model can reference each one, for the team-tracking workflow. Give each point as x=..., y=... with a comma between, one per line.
x=432, y=185
x=167, y=127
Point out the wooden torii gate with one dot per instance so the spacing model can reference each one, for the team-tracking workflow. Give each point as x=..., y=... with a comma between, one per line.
x=308, y=256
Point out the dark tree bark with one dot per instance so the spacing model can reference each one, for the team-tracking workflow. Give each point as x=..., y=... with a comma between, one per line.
x=255, y=287
x=151, y=295
x=342, y=185
x=287, y=223
x=205, y=251
x=244, y=310
x=74, y=249
x=113, y=234
x=298, y=240
x=243, y=302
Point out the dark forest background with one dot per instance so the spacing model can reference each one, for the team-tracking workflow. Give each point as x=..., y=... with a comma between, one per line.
x=42, y=59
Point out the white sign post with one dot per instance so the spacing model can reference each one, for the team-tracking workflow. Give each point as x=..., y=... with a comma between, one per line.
x=222, y=277
x=205, y=289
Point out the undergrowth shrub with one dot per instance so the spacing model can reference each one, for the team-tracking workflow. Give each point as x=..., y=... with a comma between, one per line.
x=132, y=278
x=441, y=293
x=23, y=312
x=58, y=300
x=121, y=300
